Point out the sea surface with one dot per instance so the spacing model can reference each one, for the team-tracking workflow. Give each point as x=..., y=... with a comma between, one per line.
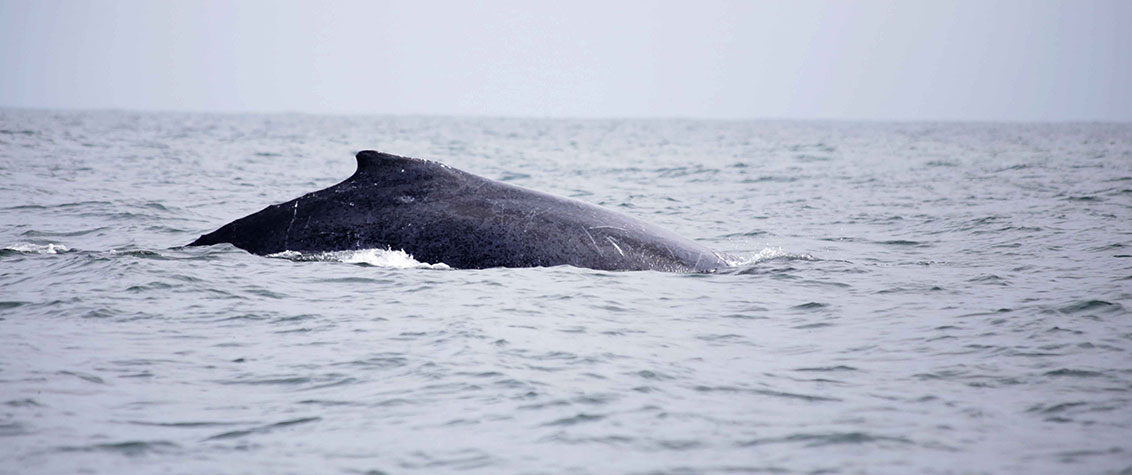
x=904, y=298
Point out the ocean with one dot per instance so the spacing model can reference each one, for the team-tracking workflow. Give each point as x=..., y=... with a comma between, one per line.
x=903, y=298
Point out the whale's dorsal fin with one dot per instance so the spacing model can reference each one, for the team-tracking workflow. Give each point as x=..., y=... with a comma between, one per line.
x=386, y=168
x=372, y=159
x=371, y=162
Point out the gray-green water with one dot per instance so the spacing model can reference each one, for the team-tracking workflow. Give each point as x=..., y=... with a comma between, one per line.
x=907, y=298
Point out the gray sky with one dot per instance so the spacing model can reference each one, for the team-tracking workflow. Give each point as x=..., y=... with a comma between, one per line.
x=965, y=60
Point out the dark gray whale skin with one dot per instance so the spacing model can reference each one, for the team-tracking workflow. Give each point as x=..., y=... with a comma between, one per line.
x=439, y=214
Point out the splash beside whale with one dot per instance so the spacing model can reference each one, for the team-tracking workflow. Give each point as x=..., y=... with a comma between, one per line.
x=439, y=214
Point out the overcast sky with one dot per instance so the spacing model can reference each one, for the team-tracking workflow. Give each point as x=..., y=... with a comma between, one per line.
x=965, y=60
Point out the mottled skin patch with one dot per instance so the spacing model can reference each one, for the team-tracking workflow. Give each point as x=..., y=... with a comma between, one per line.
x=440, y=214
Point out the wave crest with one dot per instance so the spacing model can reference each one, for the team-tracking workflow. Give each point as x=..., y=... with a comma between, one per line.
x=767, y=254
x=29, y=248
x=394, y=259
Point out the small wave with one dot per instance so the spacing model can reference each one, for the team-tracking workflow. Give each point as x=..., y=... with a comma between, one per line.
x=833, y=438
x=767, y=254
x=828, y=368
x=942, y=163
x=580, y=418
x=130, y=448
x=1090, y=305
x=29, y=248
x=903, y=242
x=262, y=429
x=771, y=179
x=1079, y=373
x=82, y=232
x=375, y=257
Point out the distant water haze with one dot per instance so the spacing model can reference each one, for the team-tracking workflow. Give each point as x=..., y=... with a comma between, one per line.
x=966, y=60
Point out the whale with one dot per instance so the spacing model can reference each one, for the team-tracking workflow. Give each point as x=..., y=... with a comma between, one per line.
x=439, y=214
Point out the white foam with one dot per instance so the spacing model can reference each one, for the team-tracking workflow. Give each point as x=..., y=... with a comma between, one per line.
x=394, y=259
x=768, y=253
x=29, y=248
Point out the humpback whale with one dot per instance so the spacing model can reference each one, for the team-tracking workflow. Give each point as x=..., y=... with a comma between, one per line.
x=439, y=214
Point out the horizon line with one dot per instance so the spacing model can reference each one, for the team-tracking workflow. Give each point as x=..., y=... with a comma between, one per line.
x=235, y=112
